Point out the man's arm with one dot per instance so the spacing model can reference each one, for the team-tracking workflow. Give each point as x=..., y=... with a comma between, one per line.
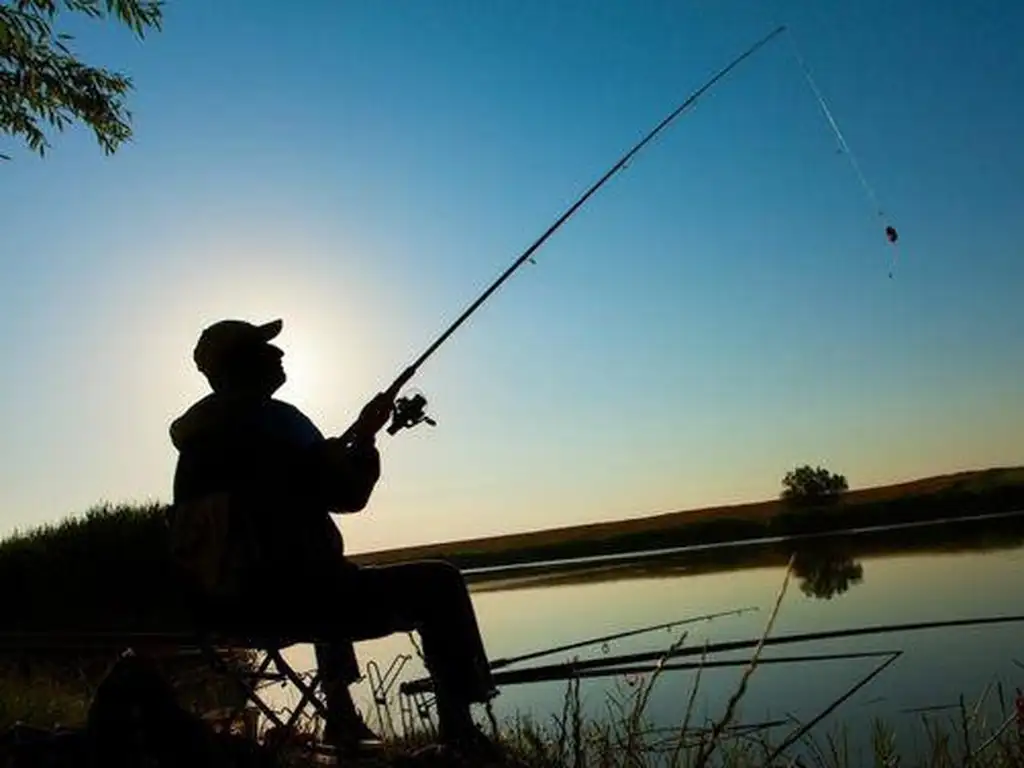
x=354, y=462
x=346, y=469
x=348, y=474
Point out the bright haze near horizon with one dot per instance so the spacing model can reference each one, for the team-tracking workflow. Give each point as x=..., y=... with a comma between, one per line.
x=718, y=313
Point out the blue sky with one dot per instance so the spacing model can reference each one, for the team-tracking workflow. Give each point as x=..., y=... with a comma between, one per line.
x=716, y=314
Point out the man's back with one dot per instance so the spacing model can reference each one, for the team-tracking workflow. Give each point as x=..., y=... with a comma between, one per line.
x=258, y=448
x=278, y=476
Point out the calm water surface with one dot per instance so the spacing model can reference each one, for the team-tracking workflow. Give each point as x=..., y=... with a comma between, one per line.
x=936, y=668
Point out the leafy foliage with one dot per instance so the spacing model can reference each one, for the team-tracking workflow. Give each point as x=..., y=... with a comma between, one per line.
x=814, y=485
x=43, y=82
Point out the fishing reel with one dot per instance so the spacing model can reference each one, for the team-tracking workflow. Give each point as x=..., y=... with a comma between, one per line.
x=408, y=413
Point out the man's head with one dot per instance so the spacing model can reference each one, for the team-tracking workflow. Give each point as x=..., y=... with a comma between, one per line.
x=237, y=357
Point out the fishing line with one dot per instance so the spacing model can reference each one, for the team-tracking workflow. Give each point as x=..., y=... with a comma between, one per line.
x=844, y=147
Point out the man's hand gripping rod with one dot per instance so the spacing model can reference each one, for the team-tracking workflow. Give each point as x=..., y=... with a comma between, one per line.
x=408, y=411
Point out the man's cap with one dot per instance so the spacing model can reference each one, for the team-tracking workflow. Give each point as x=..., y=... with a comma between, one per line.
x=220, y=341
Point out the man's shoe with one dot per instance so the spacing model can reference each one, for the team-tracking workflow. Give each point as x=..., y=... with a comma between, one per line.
x=352, y=737
x=474, y=746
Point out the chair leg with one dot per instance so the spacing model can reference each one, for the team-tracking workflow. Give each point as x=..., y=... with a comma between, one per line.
x=283, y=670
x=308, y=698
x=308, y=689
x=260, y=675
x=250, y=691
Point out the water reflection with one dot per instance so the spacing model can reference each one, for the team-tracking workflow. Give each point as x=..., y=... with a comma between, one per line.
x=826, y=571
x=917, y=575
x=828, y=565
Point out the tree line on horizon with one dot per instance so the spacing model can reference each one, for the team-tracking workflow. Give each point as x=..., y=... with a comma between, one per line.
x=807, y=485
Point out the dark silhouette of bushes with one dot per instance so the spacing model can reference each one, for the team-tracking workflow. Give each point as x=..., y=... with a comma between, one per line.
x=106, y=571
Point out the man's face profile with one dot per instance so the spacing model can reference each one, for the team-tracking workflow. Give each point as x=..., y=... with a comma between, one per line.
x=256, y=368
x=238, y=358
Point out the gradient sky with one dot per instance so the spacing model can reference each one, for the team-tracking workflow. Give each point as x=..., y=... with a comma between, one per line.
x=718, y=313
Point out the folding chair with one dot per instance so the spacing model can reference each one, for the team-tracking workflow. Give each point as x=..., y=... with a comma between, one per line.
x=215, y=649
x=212, y=545
x=222, y=629
x=273, y=667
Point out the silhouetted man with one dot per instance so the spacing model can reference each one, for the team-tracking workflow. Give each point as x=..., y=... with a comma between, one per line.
x=281, y=477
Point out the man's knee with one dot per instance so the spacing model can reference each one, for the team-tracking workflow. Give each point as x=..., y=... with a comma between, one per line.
x=442, y=575
x=415, y=585
x=430, y=579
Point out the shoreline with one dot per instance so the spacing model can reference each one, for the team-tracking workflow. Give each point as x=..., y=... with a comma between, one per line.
x=983, y=495
x=485, y=573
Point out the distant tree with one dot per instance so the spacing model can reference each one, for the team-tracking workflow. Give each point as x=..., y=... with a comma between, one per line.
x=813, y=485
x=43, y=83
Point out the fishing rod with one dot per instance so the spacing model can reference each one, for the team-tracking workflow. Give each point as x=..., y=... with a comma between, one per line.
x=552, y=673
x=574, y=668
x=605, y=639
x=409, y=411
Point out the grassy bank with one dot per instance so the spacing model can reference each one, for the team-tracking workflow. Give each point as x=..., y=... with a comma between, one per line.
x=107, y=571
x=965, y=736
x=981, y=731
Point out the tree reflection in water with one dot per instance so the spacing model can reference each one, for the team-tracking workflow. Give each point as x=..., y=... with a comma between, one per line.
x=826, y=571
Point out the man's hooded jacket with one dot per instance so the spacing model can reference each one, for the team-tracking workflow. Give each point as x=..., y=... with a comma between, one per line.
x=281, y=474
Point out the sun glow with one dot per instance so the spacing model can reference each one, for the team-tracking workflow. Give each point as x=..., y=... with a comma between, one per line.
x=325, y=346
x=309, y=362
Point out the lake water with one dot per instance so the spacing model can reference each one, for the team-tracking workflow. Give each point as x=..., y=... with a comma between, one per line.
x=871, y=582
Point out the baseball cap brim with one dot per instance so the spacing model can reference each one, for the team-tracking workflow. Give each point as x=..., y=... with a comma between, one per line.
x=224, y=339
x=267, y=331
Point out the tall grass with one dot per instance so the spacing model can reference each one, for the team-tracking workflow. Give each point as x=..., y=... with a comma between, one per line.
x=108, y=571
x=626, y=738
x=975, y=734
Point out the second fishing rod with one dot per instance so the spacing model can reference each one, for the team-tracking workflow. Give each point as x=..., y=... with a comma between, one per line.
x=409, y=411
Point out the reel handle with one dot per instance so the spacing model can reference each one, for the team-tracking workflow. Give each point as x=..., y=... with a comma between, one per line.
x=409, y=411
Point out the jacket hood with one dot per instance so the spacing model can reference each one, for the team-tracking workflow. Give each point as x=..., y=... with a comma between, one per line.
x=203, y=418
x=218, y=416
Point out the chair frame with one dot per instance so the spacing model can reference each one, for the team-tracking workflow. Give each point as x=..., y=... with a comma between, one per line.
x=271, y=667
